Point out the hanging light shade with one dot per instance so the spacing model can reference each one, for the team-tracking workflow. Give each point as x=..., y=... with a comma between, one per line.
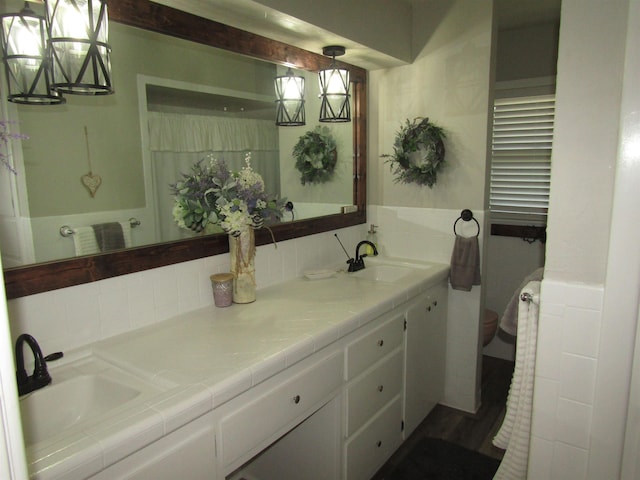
x=334, y=89
x=25, y=57
x=289, y=100
x=80, y=52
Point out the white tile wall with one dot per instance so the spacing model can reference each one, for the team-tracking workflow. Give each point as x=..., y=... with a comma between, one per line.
x=70, y=318
x=427, y=234
x=565, y=379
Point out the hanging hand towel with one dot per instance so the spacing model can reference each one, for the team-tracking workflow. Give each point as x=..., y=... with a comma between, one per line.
x=84, y=241
x=465, y=263
x=109, y=236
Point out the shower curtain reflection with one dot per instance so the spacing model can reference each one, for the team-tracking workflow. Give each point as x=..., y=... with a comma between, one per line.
x=178, y=141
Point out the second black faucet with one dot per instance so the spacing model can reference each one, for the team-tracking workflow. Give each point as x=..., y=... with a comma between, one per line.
x=358, y=262
x=40, y=377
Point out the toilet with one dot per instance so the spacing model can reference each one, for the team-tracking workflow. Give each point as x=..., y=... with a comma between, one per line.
x=489, y=326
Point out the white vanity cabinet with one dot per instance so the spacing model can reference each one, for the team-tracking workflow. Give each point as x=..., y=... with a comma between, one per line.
x=337, y=413
x=374, y=376
x=425, y=355
x=188, y=452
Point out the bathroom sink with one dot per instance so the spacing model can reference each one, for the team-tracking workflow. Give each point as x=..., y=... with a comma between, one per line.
x=79, y=395
x=388, y=269
x=383, y=273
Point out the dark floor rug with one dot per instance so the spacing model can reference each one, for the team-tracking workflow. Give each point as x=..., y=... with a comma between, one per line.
x=434, y=459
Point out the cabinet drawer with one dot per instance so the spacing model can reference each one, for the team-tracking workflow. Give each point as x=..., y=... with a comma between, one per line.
x=370, y=348
x=372, y=391
x=257, y=423
x=368, y=450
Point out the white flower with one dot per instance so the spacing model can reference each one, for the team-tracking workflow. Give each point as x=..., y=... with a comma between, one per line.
x=235, y=217
x=247, y=178
x=178, y=215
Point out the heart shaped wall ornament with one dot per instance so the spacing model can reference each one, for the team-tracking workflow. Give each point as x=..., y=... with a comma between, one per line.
x=92, y=182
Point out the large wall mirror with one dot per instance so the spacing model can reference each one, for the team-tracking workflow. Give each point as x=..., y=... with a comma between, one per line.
x=174, y=73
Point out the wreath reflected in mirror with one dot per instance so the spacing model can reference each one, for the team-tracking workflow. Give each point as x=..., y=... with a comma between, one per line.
x=316, y=156
x=418, y=152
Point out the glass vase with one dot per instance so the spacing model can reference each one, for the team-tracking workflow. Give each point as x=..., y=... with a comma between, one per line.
x=242, y=250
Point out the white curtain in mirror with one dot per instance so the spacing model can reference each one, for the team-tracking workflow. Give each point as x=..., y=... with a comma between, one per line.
x=177, y=141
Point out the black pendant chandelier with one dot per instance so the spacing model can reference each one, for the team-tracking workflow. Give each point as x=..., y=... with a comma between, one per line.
x=290, y=100
x=26, y=59
x=80, y=52
x=334, y=89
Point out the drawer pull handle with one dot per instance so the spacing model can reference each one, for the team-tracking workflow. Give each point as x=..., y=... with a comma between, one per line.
x=380, y=343
x=380, y=388
x=379, y=443
x=296, y=399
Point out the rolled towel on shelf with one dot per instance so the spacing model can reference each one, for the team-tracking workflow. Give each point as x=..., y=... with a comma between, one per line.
x=465, y=263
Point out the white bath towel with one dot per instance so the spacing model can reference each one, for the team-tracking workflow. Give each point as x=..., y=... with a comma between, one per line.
x=126, y=233
x=509, y=319
x=84, y=240
x=514, y=434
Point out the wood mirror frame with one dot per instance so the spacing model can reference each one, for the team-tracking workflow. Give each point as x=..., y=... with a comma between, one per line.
x=43, y=277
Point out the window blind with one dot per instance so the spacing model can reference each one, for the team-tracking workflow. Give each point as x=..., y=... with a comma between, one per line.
x=521, y=159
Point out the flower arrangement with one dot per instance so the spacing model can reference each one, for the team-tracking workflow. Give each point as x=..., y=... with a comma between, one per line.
x=5, y=137
x=214, y=195
x=316, y=156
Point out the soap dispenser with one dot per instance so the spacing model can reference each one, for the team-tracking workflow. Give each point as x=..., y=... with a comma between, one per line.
x=373, y=238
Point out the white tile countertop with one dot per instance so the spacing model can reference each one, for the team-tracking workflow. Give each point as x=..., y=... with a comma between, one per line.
x=197, y=361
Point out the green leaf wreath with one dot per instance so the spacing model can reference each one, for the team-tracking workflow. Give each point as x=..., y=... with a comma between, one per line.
x=316, y=156
x=418, y=152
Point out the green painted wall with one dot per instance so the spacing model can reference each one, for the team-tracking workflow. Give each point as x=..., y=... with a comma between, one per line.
x=56, y=153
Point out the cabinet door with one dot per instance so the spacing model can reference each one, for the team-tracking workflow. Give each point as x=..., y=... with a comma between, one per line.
x=188, y=452
x=425, y=355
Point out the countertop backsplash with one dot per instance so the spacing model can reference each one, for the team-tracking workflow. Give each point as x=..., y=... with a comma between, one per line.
x=69, y=318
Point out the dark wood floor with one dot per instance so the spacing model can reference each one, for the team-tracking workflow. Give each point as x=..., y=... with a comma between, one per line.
x=472, y=431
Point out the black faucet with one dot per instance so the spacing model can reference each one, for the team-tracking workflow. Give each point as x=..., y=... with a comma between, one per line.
x=40, y=377
x=358, y=262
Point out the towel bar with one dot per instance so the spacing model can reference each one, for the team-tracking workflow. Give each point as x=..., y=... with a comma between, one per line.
x=67, y=231
x=527, y=297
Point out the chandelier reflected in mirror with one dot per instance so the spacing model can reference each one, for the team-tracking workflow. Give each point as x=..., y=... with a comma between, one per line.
x=66, y=50
x=25, y=57
x=334, y=89
x=290, y=100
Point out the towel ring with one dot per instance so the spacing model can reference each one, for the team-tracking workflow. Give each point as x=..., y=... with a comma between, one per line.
x=466, y=215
